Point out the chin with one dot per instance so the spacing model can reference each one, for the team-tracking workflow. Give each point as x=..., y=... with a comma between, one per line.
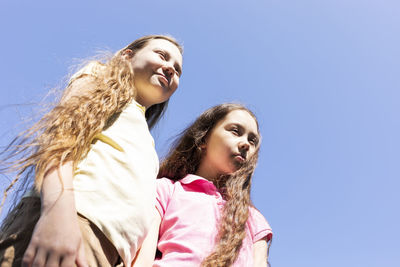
x=157, y=100
x=238, y=165
x=232, y=171
x=160, y=94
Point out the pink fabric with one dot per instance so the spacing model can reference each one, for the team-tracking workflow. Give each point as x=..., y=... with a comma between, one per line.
x=190, y=210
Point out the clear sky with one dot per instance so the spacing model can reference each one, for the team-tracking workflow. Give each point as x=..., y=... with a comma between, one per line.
x=323, y=78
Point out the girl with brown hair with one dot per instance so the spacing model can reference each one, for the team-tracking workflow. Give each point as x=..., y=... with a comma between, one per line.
x=94, y=162
x=205, y=214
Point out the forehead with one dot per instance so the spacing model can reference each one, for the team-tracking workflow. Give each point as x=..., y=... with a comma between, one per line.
x=243, y=118
x=166, y=45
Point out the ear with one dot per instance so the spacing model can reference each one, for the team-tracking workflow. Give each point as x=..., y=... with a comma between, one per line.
x=203, y=146
x=127, y=53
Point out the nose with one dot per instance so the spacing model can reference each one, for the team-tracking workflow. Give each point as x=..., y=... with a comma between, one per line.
x=244, y=145
x=168, y=70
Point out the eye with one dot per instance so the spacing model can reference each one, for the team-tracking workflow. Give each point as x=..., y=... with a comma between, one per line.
x=178, y=71
x=162, y=54
x=235, y=131
x=253, y=141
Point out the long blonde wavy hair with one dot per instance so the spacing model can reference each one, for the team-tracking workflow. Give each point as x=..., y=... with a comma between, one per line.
x=184, y=158
x=66, y=131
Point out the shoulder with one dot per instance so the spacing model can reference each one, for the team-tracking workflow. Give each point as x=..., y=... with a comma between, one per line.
x=164, y=182
x=258, y=225
x=166, y=186
x=164, y=192
x=83, y=81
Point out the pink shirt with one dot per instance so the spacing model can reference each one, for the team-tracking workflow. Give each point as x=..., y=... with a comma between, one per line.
x=190, y=210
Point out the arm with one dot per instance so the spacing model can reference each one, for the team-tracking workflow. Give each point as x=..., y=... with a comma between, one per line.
x=145, y=256
x=260, y=253
x=56, y=239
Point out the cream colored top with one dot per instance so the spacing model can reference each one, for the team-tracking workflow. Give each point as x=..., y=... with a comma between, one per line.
x=115, y=183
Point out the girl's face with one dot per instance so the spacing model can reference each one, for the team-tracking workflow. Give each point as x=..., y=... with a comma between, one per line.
x=156, y=69
x=229, y=144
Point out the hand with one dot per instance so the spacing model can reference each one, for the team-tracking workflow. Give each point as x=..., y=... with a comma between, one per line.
x=56, y=239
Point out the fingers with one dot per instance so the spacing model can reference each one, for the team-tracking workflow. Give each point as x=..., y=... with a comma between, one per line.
x=81, y=257
x=68, y=261
x=53, y=260
x=36, y=257
x=29, y=256
x=63, y=258
x=40, y=258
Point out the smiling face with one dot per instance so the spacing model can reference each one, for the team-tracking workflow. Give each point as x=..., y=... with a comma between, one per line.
x=229, y=144
x=156, y=69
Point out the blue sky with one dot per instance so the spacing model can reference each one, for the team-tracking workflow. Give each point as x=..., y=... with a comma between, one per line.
x=322, y=76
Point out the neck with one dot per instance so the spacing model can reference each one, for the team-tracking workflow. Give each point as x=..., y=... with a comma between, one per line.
x=219, y=180
x=141, y=102
x=206, y=174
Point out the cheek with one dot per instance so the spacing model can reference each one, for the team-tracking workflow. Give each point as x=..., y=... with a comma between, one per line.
x=173, y=89
x=223, y=148
x=251, y=152
x=175, y=83
x=144, y=64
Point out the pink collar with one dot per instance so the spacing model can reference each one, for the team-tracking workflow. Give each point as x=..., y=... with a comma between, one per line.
x=199, y=181
x=189, y=178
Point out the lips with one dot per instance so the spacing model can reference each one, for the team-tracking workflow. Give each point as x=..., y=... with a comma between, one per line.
x=240, y=158
x=163, y=79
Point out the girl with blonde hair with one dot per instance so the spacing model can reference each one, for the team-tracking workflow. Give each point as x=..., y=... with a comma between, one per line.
x=94, y=163
x=205, y=216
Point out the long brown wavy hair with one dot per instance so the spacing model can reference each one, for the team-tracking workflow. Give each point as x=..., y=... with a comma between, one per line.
x=66, y=131
x=184, y=158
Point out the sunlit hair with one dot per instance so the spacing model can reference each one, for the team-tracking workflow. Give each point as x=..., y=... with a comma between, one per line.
x=184, y=158
x=66, y=132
